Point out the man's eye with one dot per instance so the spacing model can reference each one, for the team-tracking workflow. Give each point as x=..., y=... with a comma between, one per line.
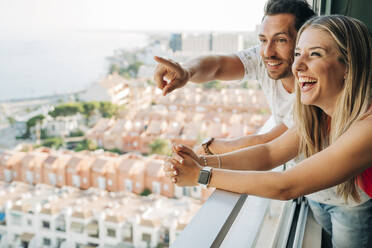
x=262, y=40
x=282, y=40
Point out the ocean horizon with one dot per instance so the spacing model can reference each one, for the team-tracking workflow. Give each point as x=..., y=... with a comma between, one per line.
x=52, y=63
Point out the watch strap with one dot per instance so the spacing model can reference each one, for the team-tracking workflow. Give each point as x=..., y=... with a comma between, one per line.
x=206, y=145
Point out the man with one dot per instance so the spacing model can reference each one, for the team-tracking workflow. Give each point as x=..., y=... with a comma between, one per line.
x=270, y=64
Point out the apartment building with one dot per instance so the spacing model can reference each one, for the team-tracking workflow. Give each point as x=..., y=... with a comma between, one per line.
x=32, y=167
x=112, y=138
x=63, y=125
x=97, y=132
x=22, y=216
x=10, y=165
x=103, y=173
x=45, y=216
x=55, y=169
x=131, y=173
x=196, y=44
x=78, y=171
x=183, y=117
x=156, y=181
x=112, y=88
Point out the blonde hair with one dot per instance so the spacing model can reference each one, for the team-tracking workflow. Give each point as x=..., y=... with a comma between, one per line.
x=354, y=45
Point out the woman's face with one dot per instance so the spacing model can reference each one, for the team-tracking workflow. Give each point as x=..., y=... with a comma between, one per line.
x=319, y=72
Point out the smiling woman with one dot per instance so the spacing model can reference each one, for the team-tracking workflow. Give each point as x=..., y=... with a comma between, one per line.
x=332, y=137
x=319, y=68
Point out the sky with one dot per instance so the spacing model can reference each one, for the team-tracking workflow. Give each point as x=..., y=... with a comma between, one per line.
x=131, y=15
x=39, y=55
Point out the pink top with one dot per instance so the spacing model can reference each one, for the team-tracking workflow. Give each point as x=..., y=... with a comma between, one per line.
x=364, y=180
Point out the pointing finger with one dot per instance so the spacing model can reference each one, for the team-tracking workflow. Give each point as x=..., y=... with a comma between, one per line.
x=169, y=64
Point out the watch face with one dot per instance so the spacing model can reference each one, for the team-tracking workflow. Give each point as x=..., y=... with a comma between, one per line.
x=203, y=177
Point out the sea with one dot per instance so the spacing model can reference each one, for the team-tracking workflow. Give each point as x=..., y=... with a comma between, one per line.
x=43, y=63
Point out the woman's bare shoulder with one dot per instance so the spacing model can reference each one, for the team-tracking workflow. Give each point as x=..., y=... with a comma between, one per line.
x=366, y=119
x=362, y=126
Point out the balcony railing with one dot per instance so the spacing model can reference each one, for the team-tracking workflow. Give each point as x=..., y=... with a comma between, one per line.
x=236, y=220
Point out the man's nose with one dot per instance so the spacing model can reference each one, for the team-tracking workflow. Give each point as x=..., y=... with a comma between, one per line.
x=269, y=50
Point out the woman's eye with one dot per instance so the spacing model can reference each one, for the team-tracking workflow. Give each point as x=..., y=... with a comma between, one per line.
x=262, y=41
x=315, y=54
x=297, y=54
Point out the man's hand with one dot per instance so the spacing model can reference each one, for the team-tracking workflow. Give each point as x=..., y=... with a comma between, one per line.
x=188, y=167
x=183, y=167
x=170, y=75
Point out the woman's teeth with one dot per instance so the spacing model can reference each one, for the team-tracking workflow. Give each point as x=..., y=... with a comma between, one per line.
x=306, y=82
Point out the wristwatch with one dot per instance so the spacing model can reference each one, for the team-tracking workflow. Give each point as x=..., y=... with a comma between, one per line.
x=205, y=176
x=205, y=144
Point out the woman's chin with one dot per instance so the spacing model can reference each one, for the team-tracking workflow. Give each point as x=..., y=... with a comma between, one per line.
x=306, y=101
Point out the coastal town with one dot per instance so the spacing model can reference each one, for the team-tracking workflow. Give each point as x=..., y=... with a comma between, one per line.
x=86, y=168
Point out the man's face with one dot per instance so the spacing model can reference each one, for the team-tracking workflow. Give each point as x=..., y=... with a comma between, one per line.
x=278, y=38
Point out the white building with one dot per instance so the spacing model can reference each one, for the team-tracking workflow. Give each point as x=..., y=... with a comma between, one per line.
x=196, y=44
x=44, y=216
x=112, y=88
x=63, y=125
x=227, y=43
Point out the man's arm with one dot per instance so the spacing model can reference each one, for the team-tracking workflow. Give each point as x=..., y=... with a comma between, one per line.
x=219, y=146
x=170, y=75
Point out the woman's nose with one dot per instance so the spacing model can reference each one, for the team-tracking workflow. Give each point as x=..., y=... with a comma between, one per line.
x=298, y=64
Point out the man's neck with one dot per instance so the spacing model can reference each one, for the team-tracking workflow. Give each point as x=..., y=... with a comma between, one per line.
x=288, y=84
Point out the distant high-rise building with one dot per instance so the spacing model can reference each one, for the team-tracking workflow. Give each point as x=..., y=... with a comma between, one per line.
x=175, y=42
x=227, y=43
x=196, y=44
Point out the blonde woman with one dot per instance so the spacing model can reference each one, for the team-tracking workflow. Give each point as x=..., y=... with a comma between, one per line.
x=332, y=137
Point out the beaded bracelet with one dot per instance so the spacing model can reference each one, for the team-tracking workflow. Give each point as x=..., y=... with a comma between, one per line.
x=205, y=161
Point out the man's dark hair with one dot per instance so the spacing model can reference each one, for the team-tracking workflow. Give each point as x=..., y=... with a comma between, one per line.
x=299, y=8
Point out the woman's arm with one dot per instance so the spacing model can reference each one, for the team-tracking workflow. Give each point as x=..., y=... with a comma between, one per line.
x=347, y=157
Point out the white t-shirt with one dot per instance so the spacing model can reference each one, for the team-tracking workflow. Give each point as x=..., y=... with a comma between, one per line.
x=279, y=100
x=330, y=196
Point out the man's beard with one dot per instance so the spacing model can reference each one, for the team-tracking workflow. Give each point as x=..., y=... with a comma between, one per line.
x=286, y=73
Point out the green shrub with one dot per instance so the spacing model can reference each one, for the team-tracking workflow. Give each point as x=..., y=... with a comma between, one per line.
x=146, y=192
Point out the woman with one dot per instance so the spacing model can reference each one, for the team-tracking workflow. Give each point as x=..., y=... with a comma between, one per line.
x=332, y=136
